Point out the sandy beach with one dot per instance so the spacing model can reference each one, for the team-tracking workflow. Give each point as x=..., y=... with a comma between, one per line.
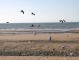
x=10, y=42
x=36, y=58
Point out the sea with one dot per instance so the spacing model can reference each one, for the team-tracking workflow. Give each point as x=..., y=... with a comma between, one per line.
x=54, y=27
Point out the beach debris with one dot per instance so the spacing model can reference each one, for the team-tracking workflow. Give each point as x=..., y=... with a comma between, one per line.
x=23, y=54
x=71, y=54
x=63, y=46
x=50, y=38
x=37, y=47
x=30, y=42
x=22, y=11
x=62, y=21
x=33, y=13
x=53, y=49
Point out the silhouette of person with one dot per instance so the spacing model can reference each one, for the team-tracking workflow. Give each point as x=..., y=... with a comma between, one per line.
x=32, y=25
x=50, y=38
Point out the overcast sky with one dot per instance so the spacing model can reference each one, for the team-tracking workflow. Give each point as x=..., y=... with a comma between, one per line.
x=45, y=10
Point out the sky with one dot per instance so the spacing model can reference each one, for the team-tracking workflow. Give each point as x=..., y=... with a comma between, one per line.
x=45, y=11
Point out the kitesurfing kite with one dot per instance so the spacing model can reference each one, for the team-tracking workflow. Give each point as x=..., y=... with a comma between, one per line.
x=22, y=11
x=62, y=21
x=33, y=13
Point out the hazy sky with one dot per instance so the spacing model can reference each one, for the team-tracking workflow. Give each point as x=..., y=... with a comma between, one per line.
x=45, y=10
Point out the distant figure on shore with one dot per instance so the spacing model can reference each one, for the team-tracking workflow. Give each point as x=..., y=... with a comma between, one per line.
x=50, y=38
x=33, y=13
x=7, y=22
x=22, y=11
x=62, y=21
x=38, y=25
x=32, y=25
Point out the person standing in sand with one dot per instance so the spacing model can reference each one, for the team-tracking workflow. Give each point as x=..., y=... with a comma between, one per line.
x=50, y=38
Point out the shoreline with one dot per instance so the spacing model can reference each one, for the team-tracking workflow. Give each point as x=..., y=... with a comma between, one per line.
x=37, y=31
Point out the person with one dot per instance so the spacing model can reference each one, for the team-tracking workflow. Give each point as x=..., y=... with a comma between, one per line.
x=32, y=25
x=50, y=38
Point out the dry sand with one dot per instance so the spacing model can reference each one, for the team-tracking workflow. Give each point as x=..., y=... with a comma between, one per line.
x=42, y=36
x=36, y=58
